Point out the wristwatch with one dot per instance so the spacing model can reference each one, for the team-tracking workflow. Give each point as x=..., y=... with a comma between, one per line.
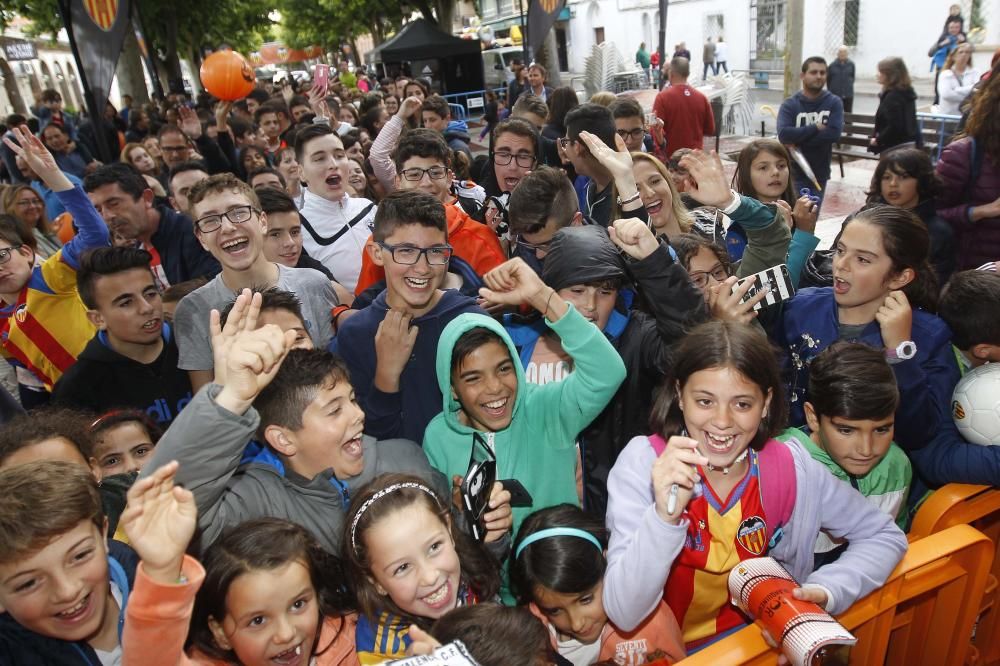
x=905, y=351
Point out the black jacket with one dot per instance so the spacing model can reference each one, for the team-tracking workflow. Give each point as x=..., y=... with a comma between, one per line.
x=840, y=78
x=20, y=646
x=102, y=379
x=645, y=344
x=181, y=255
x=896, y=119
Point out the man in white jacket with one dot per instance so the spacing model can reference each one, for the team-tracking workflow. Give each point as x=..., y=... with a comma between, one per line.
x=335, y=226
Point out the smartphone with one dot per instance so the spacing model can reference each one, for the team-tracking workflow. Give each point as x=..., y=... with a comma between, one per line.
x=475, y=489
x=321, y=77
x=775, y=280
x=519, y=495
x=651, y=118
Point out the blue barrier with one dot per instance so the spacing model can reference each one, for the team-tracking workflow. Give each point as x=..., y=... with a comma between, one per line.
x=946, y=126
x=470, y=105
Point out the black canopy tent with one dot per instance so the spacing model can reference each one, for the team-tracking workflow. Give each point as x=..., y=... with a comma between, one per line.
x=452, y=65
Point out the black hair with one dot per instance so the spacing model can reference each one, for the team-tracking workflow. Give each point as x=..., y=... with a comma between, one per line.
x=496, y=635
x=259, y=94
x=907, y=244
x=723, y=344
x=543, y=194
x=116, y=417
x=15, y=233
x=187, y=165
x=298, y=100
x=265, y=169
x=470, y=341
x=301, y=375
x=422, y=143
x=104, y=261
x=811, y=59
x=274, y=201
x=25, y=430
x=266, y=544
x=175, y=292
x=128, y=178
x=517, y=126
x=270, y=106
x=561, y=102
x=626, y=107
x=307, y=134
x=687, y=246
x=240, y=127
x=853, y=381
x=273, y=298
x=592, y=118
x=911, y=162
x=404, y=207
x=969, y=305
x=370, y=101
x=565, y=564
x=436, y=104
x=370, y=118
x=171, y=128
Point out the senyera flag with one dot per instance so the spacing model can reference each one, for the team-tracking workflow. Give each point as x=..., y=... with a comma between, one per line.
x=541, y=16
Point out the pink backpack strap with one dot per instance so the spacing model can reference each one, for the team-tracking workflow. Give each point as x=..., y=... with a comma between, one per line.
x=777, y=482
x=658, y=443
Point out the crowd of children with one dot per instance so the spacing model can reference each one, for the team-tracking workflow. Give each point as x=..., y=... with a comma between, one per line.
x=354, y=406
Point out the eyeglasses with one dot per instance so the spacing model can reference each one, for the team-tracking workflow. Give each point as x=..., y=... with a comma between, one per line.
x=236, y=215
x=523, y=160
x=564, y=142
x=174, y=149
x=29, y=202
x=407, y=255
x=700, y=278
x=5, y=253
x=533, y=247
x=635, y=134
x=416, y=173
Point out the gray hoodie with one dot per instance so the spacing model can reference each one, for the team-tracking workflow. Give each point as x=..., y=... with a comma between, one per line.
x=209, y=442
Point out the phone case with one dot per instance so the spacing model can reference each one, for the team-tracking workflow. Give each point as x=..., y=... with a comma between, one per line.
x=475, y=491
x=775, y=280
x=321, y=76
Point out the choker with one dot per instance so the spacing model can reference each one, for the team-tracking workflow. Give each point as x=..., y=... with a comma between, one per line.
x=725, y=470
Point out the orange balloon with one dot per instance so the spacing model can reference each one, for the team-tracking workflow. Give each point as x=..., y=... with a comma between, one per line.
x=227, y=75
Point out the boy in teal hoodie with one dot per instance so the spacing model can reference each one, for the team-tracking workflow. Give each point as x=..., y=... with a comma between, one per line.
x=850, y=411
x=531, y=429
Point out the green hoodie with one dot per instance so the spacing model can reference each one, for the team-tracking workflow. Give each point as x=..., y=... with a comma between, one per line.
x=538, y=447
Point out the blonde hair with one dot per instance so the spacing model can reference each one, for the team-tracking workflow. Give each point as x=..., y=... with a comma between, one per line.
x=604, y=98
x=9, y=199
x=949, y=62
x=221, y=182
x=680, y=211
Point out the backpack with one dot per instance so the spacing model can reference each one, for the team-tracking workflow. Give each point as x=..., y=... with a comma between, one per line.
x=777, y=483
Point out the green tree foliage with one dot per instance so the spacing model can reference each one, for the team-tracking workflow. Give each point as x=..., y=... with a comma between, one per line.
x=332, y=22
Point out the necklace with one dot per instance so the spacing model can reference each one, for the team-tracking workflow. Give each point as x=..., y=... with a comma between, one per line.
x=725, y=470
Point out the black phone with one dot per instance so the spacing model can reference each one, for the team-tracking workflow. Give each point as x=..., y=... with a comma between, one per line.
x=475, y=489
x=775, y=280
x=519, y=495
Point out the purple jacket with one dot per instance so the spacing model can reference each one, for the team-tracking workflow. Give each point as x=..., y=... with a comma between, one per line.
x=978, y=242
x=643, y=547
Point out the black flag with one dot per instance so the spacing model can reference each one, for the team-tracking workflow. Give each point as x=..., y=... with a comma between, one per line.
x=541, y=15
x=97, y=31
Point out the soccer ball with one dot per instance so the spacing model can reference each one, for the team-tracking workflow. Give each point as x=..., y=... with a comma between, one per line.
x=975, y=405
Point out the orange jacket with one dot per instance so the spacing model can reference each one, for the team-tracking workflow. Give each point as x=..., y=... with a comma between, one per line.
x=157, y=618
x=476, y=243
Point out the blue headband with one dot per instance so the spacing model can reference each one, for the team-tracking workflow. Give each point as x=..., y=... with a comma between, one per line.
x=557, y=531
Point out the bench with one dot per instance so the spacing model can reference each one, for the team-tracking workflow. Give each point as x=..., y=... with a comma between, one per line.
x=935, y=129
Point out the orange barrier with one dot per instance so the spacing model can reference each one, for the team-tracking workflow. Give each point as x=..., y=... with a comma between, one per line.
x=923, y=614
x=979, y=506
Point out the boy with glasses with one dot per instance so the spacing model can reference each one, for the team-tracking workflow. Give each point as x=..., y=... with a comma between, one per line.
x=630, y=125
x=391, y=345
x=423, y=162
x=230, y=225
x=43, y=324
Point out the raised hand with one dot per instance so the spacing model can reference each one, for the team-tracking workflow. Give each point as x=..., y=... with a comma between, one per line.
x=726, y=305
x=189, y=123
x=421, y=643
x=408, y=107
x=159, y=520
x=254, y=359
x=317, y=102
x=707, y=178
x=805, y=214
x=243, y=316
x=895, y=319
x=394, y=341
x=514, y=282
x=499, y=518
x=634, y=237
x=617, y=162
x=222, y=111
x=31, y=149
x=675, y=466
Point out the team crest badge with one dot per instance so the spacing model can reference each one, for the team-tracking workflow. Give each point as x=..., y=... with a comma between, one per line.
x=752, y=535
x=21, y=313
x=102, y=12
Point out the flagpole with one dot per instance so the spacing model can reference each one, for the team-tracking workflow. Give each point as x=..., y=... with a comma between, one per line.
x=664, y=6
x=94, y=107
x=524, y=35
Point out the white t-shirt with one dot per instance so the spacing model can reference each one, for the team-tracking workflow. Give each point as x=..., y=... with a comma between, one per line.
x=721, y=52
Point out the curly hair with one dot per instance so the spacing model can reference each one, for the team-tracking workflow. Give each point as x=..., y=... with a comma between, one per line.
x=984, y=120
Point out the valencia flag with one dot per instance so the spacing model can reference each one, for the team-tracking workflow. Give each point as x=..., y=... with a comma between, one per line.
x=97, y=30
x=541, y=16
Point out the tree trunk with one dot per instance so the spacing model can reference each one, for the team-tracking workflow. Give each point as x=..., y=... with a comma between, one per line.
x=175, y=77
x=130, y=75
x=446, y=15
x=548, y=56
x=424, y=7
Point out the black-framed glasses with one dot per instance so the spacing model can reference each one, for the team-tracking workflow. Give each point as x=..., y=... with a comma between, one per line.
x=7, y=252
x=634, y=134
x=524, y=160
x=700, y=278
x=565, y=141
x=174, y=149
x=533, y=247
x=236, y=215
x=407, y=255
x=416, y=173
